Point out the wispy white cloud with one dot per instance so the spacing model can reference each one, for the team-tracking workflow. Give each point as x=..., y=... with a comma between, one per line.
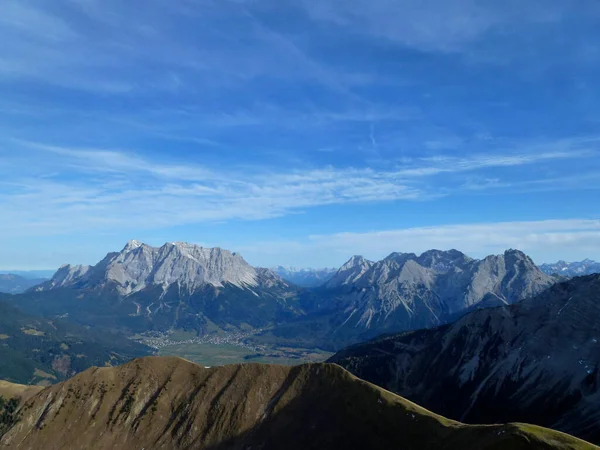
x=99, y=160
x=83, y=188
x=444, y=164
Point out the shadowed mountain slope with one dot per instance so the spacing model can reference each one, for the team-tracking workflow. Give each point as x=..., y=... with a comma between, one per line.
x=169, y=403
x=536, y=361
x=36, y=349
x=15, y=284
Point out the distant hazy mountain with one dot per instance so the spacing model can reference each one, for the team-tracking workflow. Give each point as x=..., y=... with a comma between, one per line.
x=176, y=285
x=572, y=269
x=34, y=349
x=170, y=403
x=15, y=284
x=535, y=361
x=31, y=274
x=305, y=277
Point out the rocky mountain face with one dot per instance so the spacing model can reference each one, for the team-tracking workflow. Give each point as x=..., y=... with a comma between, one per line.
x=169, y=403
x=176, y=285
x=15, y=284
x=38, y=350
x=405, y=291
x=535, y=361
x=305, y=277
x=349, y=272
x=139, y=266
x=66, y=275
x=571, y=269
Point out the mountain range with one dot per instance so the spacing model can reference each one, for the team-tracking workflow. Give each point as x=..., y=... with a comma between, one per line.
x=170, y=403
x=305, y=277
x=571, y=269
x=183, y=286
x=406, y=292
x=535, y=361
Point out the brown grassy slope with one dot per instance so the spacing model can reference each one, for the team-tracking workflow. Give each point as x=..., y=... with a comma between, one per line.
x=170, y=403
x=24, y=392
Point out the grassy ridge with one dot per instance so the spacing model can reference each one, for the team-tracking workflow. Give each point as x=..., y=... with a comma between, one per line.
x=174, y=404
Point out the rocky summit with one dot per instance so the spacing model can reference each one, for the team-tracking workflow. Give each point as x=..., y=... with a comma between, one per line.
x=169, y=403
x=535, y=361
x=351, y=271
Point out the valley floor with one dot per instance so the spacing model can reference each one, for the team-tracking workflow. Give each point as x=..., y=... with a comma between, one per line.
x=227, y=348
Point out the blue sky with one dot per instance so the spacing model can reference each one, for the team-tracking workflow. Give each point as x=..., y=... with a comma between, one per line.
x=299, y=132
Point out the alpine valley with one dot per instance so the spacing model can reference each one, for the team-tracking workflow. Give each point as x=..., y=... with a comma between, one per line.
x=187, y=287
